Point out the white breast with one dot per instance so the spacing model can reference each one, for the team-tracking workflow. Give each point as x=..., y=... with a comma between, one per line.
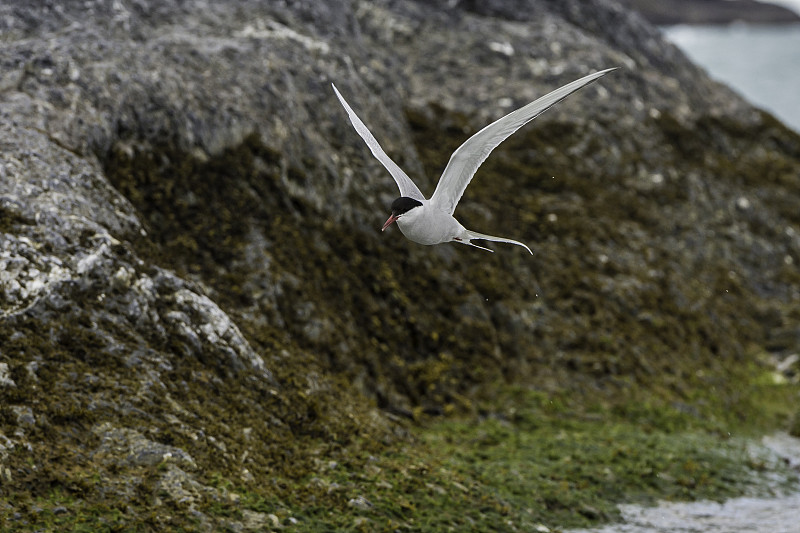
x=427, y=225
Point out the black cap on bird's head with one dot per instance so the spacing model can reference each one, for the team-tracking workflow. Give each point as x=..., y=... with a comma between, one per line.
x=400, y=207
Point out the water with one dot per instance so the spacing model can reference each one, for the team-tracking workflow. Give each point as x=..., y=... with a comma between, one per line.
x=794, y=5
x=739, y=515
x=762, y=63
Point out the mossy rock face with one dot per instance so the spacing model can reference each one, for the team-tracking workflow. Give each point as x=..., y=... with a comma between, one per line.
x=200, y=316
x=610, y=293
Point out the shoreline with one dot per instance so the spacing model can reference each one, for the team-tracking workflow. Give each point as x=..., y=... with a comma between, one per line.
x=712, y=12
x=734, y=515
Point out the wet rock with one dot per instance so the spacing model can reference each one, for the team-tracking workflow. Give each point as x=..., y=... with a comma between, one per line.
x=181, y=488
x=24, y=415
x=133, y=449
x=360, y=503
x=255, y=521
x=5, y=379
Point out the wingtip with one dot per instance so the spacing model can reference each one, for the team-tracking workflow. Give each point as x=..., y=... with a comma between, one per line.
x=339, y=95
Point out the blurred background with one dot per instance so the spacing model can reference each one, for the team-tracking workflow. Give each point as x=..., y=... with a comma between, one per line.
x=752, y=46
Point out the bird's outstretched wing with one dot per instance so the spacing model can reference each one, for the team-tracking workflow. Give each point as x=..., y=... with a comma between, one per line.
x=407, y=187
x=469, y=156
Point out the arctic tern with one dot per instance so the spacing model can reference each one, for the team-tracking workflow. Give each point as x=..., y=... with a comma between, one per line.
x=431, y=221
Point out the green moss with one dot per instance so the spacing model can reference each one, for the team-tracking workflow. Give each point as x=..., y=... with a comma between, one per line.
x=667, y=361
x=532, y=458
x=378, y=324
x=537, y=460
x=11, y=218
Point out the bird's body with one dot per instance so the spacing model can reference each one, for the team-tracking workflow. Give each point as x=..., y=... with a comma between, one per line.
x=431, y=221
x=427, y=225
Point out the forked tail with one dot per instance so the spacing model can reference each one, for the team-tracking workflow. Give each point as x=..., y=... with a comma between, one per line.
x=475, y=235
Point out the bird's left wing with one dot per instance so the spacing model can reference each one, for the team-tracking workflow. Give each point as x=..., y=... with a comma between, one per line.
x=407, y=187
x=468, y=157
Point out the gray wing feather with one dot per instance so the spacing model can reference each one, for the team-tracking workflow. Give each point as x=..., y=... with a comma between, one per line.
x=469, y=156
x=404, y=183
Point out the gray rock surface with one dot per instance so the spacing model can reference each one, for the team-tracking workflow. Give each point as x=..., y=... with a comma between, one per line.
x=190, y=264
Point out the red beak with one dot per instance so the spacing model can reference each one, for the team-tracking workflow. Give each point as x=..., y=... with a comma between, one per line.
x=389, y=222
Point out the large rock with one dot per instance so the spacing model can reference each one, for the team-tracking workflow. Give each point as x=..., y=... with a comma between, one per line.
x=193, y=280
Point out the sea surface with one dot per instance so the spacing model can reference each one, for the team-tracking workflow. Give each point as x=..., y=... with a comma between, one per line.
x=760, y=62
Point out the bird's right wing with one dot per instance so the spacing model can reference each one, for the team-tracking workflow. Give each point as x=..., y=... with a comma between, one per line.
x=468, y=157
x=404, y=183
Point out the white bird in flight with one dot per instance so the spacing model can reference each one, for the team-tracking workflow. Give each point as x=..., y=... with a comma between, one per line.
x=431, y=221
